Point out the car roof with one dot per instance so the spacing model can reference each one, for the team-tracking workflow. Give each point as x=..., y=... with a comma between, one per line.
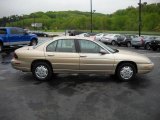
x=72, y=37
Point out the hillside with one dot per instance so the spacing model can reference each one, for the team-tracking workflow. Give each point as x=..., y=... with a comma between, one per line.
x=121, y=20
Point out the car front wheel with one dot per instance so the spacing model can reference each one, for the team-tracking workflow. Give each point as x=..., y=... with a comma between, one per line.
x=42, y=71
x=113, y=42
x=126, y=72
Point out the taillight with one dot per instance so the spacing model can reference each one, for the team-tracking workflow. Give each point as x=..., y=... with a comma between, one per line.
x=15, y=56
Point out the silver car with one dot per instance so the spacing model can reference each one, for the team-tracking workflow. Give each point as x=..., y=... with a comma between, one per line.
x=110, y=39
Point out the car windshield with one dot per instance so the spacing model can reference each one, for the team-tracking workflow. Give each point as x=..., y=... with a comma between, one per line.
x=107, y=47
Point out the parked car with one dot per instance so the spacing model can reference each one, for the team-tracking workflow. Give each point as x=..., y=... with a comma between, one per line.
x=84, y=35
x=142, y=41
x=155, y=44
x=40, y=34
x=79, y=55
x=125, y=40
x=14, y=36
x=99, y=36
x=110, y=39
x=74, y=32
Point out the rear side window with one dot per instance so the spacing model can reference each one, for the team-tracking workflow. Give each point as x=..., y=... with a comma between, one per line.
x=3, y=31
x=61, y=46
x=17, y=31
x=66, y=46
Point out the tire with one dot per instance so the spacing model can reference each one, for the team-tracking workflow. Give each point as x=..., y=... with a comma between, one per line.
x=154, y=49
x=42, y=71
x=119, y=44
x=136, y=47
x=126, y=72
x=147, y=46
x=1, y=47
x=33, y=42
x=128, y=44
x=113, y=42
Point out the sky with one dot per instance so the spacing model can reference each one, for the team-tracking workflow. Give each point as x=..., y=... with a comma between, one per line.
x=21, y=7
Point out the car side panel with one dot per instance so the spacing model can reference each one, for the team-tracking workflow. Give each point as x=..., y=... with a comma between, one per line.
x=97, y=63
x=63, y=62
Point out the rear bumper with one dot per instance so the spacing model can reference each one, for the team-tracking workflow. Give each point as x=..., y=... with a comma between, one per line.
x=20, y=65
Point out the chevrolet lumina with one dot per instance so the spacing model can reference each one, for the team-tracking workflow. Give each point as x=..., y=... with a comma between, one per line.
x=79, y=55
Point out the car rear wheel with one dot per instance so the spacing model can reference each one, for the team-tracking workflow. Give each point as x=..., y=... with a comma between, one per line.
x=147, y=46
x=33, y=42
x=42, y=71
x=154, y=48
x=126, y=72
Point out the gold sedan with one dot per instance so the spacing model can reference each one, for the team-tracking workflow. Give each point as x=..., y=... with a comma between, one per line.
x=79, y=55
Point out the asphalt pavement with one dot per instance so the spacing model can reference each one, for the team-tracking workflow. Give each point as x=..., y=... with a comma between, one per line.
x=79, y=97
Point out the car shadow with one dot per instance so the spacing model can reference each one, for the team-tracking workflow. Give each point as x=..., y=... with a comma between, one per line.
x=69, y=85
x=139, y=83
x=6, y=56
x=74, y=80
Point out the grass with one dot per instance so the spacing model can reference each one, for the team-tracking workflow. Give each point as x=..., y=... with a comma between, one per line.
x=114, y=32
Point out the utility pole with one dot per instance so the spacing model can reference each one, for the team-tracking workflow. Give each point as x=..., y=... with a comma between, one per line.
x=34, y=20
x=140, y=20
x=91, y=14
x=23, y=21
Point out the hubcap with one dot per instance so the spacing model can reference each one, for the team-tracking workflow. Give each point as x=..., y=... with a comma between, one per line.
x=129, y=44
x=147, y=47
x=34, y=43
x=126, y=72
x=41, y=72
x=113, y=43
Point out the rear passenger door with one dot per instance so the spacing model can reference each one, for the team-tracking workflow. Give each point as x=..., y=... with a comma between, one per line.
x=63, y=56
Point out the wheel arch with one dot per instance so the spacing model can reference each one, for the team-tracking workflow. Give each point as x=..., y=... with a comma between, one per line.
x=34, y=38
x=122, y=62
x=41, y=60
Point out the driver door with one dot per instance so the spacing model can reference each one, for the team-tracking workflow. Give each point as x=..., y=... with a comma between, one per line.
x=92, y=61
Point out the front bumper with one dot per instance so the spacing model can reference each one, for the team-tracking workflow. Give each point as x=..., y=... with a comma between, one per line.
x=145, y=68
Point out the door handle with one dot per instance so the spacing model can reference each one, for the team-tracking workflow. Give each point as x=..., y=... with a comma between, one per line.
x=50, y=55
x=83, y=56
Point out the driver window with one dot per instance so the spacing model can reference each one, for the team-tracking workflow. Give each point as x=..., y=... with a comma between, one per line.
x=87, y=46
x=52, y=47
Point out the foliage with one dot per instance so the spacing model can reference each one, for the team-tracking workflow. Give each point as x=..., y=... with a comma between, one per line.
x=121, y=20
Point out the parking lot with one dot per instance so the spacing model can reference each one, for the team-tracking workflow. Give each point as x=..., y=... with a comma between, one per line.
x=79, y=97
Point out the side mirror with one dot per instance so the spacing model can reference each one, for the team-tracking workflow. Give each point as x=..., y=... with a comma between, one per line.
x=103, y=52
